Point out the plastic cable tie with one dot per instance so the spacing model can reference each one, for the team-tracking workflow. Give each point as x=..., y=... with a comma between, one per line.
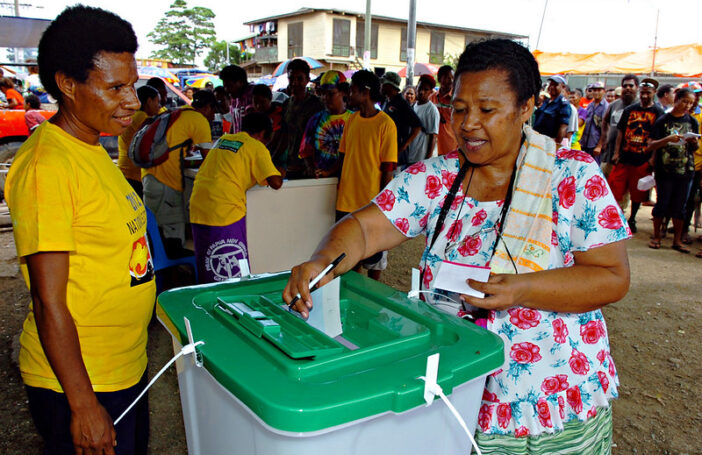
x=429, y=378
x=414, y=290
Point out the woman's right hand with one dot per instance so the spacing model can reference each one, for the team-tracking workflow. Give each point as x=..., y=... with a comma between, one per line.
x=92, y=431
x=674, y=138
x=300, y=277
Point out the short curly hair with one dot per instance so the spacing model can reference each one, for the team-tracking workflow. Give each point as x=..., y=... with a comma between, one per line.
x=71, y=42
x=507, y=55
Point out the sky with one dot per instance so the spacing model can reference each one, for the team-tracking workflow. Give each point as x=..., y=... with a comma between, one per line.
x=579, y=26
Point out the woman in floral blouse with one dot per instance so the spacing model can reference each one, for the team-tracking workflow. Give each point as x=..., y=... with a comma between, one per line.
x=544, y=222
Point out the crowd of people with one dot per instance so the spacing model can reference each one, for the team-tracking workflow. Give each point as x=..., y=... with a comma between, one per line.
x=491, y=168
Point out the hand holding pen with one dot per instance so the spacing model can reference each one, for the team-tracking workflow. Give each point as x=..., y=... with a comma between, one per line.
x=304, y=308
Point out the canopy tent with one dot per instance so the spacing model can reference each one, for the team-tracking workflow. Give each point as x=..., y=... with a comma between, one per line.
x=21, y=31
x=684, y=61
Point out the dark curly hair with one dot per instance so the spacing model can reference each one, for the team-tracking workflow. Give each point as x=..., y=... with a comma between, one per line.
x=503, y=54
x=298, y=64
x=366, y=80
x=233, y=73
x=71, y=42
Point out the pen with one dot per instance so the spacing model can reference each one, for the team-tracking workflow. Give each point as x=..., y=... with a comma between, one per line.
x=318, y=278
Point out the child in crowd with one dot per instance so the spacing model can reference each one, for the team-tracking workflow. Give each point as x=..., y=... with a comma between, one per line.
x=31, y=115
x=422, y=146
x=236, y=163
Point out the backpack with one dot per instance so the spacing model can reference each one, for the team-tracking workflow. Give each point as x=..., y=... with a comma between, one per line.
x=149, y=147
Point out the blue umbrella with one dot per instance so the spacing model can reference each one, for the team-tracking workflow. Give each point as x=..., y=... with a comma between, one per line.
x=283, y=67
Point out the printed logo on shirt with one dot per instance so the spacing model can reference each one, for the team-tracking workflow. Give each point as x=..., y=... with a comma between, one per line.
x=141, y=266
x=222, y=258
x=232, y=146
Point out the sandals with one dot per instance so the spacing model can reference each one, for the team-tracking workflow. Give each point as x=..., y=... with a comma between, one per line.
x=681, y=248
x=699, y=254
x=654, y=244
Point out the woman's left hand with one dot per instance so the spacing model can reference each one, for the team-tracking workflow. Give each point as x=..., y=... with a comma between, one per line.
x=501, y=292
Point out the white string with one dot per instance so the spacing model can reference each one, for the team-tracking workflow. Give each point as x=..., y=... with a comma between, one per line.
x=187, y=349
x=437, y=390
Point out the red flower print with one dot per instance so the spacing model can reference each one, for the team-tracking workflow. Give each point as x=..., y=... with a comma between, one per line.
x=402, y=224
x=554, y=238
x=592, y=331
x=560, y=331
x=416, y=168
x=609, y=218
x=554, y=218
x=595, y=188
x=479, y=218
x=385, y=200
x=521, y=432
x=592, y=412
x=561, y=407
x=524, y=318
x=568, y=258
x=432, y=188
x=574, y=154
x=457, y=201
x=544, y=413
x=504, y=414
x=454, y=231
x=604, y=380
x=451, y=155
x=602, y=356
x=566, y=192
x=428, y=277
x=489, y=396
x=470, y=246
x=578, y=362
x=555, y=384
x=484, y=416
x=525, y=353
x=423, y=221
x=612, y=371
x=574, y=400
x=447, y=178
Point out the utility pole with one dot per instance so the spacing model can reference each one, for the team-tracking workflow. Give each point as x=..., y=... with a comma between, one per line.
x=18, y=58
x=655, y=45
x=367, y=37
x=411, y=41
x=543, y=15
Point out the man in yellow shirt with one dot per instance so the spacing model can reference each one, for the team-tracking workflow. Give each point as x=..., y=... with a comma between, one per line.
x=150, y=106
x=163, y=184
x=369, y=150
x=236, y=163
x=80, y=232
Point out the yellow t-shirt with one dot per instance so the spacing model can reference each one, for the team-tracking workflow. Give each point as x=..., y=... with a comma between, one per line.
x=128, y=168
x=366, y=143
x=236, y=163
x=66, y=195
x=698, y=152
x=190, y=125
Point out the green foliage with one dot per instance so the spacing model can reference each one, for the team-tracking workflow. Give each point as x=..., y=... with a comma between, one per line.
x=183, y=33
x=451, y=59
x=217, y=57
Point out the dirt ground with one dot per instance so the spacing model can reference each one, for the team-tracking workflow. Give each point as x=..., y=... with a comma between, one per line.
x=654, y=332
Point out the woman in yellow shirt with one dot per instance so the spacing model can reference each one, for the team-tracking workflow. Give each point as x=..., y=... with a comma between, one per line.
x=80, y=232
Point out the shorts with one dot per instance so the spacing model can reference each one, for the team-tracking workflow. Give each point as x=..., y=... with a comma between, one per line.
x=672, y=192
x=168, y=207
x=624, y=177
x=379, y=261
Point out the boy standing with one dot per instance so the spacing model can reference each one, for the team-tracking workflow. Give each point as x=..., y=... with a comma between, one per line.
x=423, y=145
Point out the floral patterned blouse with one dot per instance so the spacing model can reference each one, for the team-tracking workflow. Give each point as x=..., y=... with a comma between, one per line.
x=557, y=366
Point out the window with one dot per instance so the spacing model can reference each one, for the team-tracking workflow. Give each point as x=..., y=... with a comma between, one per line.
x=361, y=39
x=436, y=48
x=342, y=37
x=403, y=44
x=295, y=40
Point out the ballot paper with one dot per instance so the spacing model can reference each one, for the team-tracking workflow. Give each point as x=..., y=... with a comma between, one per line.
x=452, y=277
x=325, y=314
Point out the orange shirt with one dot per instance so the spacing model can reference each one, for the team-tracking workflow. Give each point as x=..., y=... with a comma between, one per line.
x=446, y=141
x=12, y=94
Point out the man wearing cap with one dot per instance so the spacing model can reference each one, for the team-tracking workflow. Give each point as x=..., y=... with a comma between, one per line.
x=320, y=142
x=163, y=184
x=406, y=121
x=630, y=158
x=553, y=117
x=587, y=99
x=423, y=145
x=592, y=140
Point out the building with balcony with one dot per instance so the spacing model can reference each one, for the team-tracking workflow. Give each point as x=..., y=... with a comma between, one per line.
x=336, y=39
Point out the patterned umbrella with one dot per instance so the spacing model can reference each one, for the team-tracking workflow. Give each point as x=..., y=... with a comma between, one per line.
x=283, y=67
x=419, y=69
x=200, y=81
x=692, y=85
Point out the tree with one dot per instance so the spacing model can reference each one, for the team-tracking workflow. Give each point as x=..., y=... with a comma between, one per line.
x=217, y=57
x=183, y=32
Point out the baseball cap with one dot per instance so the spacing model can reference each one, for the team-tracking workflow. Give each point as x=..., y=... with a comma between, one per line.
x=558, y=79
x=392, y=79
x=427, y=78
x=618, y=91
x=331, y=79
x=649, y=82
x=692, y=85
x=598, y=84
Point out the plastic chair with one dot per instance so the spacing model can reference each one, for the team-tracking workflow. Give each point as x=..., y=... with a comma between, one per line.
x=158, y=251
